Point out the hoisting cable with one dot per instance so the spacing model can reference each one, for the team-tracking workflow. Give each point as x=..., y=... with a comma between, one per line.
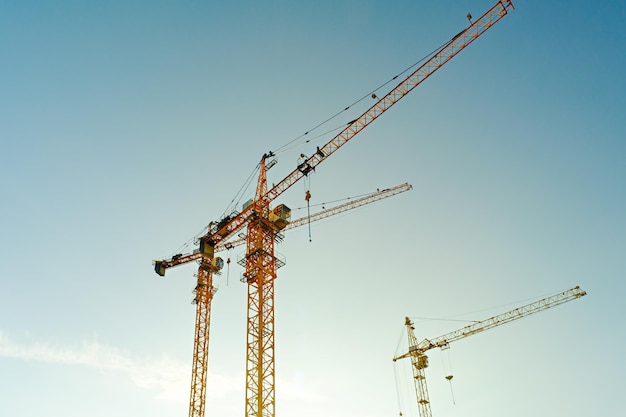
x=307, y=197
x=285, y=149
x=449, y=378
x=332, y=201
x=182, y=248
x=233, y=203
x=368, y=95
x=447, y=369
x=237, y=198
x=395, y=373
x=395, y=376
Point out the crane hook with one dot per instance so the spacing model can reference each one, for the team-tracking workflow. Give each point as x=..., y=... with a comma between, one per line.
x=307, y=197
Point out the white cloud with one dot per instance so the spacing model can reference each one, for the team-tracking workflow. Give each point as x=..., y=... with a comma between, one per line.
x=301, y=389
x=170, y=379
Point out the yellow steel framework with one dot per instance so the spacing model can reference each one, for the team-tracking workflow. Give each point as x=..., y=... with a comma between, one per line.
x=260, y=274
x=204, y=294
x=204, y=291
x=417, y=350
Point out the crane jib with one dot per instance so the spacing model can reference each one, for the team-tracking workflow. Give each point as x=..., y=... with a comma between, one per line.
x=441, y=57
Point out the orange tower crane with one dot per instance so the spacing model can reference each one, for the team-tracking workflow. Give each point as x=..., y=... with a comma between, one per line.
x=417, y=350
x=264, y=223
x=204, y=289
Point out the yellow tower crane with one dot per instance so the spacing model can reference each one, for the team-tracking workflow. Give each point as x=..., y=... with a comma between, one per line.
x=417, y=350
x=205, y=290
x=263, y=224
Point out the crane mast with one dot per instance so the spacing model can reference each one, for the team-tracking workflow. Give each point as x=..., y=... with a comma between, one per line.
x=417, y=350
x=261, y=265
x=204, y=295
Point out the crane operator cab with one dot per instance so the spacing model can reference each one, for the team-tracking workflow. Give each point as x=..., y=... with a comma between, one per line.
x=280, y=216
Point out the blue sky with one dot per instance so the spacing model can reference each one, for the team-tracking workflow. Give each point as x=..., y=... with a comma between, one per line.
x=125, y=127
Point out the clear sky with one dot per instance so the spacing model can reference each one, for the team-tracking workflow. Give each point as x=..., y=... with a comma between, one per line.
x=126, y=126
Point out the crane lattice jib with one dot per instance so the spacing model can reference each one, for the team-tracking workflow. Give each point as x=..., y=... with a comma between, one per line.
x=504, y=318
x=495, y=321
x=441, y=57
x=370, y=198
x=352, y=204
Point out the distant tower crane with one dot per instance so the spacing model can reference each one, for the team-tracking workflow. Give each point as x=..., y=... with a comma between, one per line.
x=263, y=224
x=417, y=350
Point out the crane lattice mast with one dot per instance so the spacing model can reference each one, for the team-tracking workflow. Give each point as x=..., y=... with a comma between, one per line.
x=417, y=350
x=204, y=295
